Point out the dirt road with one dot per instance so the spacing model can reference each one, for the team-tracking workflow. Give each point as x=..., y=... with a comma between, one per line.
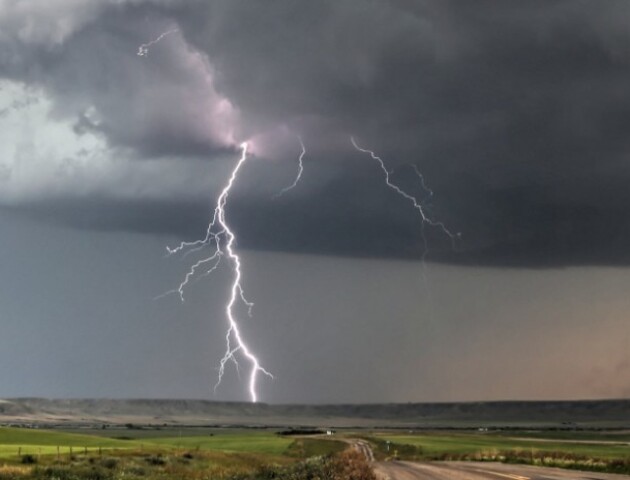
x=363, y=448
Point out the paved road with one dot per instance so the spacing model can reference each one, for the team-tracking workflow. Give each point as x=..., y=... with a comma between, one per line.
x=480, y=471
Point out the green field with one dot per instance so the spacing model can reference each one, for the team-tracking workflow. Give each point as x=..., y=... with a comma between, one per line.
x=572, y=435
x=164, y=454
x=253, y=442
x=17, y=441
x=266, y=442
x=21, y=436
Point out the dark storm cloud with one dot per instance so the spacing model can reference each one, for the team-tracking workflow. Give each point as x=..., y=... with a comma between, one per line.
x=164, y=107
x=516, y=112
x=103, y=214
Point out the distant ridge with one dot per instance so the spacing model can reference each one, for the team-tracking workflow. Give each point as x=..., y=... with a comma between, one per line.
x=551, y=414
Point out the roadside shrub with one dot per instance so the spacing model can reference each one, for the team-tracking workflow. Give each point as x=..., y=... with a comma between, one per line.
x=403, y=451
x=94, y=473
x=56, y=472
x=155, y=460
x=110, y=463
x=351, y=465
x=571, y=461
x=137, y=471
x=72, y=473
x=406, y=450
x=348, y=465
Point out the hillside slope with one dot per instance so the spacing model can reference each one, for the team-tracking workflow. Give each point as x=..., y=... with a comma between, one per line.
x=559, y=414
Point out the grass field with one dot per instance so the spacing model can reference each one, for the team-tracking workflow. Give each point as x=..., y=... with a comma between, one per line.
x=21, y=436
x=572, y=435
x=16, y=441
x=166, y=454
x=253, y=442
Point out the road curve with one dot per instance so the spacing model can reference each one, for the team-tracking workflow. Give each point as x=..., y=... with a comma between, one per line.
x=363, y=448
x=480, y=471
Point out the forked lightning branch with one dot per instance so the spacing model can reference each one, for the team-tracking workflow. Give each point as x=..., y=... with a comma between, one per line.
x=221, y=238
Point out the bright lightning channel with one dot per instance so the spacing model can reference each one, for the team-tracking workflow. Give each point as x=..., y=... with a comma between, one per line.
x=221, y=237
x=426, y=220
x=143, y=50
x=299, y=174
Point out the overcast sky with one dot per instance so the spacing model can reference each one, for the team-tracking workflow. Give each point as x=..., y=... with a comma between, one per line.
x=515, y=113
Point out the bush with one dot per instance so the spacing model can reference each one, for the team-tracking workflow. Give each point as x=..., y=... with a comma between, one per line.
x=403, y=451
x=351, y=465
x=58, y=473
x=137, y=471
x=155, y=460
x=72, y=473
x=110, y=463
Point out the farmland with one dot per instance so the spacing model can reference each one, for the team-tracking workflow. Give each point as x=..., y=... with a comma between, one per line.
x=175, y=453
x=163, y=438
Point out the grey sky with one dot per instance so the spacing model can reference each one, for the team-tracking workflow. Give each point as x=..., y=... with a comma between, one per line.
x=78, y=320
x=515, y=112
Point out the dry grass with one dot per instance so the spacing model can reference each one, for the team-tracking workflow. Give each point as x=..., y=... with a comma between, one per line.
x=14, y=471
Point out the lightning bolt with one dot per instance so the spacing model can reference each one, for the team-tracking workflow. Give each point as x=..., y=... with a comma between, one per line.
x=143, y=50
x=422, y=182
x=221, y=238
x=426, y=220
x=299, y=174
